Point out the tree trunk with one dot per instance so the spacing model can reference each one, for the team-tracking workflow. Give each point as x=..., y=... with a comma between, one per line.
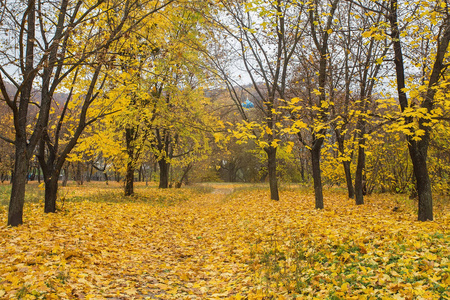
x=19, y=180
x=66, y=175
x=418, y=150
x=272, y=169
x=129, y=175
x=51, y=190
x=90, y=171
x=106, y=177
x=418, y=153
x=129, y=179
x=79, y=176
x=317, y=178
x=348, y=178
x=163, y=174
x=184, y=176
x=24, y=147
x=231, y=172
x=346, y=164
x=359, y=184
x=302, y=169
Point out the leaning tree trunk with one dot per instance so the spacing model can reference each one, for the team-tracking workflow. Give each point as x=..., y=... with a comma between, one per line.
x=317, y=178
x=19, y=181
x=272, y=170
x=164, y=168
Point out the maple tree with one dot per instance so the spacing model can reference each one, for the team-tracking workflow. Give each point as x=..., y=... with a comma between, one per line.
x=47, y=53
x=161, y=85
x=417, y=118
x=264, y=36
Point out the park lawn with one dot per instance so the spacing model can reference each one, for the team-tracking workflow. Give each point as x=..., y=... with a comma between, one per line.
x=213, y=243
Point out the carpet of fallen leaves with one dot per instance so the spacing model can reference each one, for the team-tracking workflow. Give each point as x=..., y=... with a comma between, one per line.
x=184, y=244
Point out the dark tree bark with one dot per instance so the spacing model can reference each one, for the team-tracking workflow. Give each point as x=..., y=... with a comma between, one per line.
x=129, y=180
x=359, y=179
x=272, y=170
x=348, y=179
x=51, y=192
x=164, y=168
x=346, y=165
x=130, y=139
x=231, y=167
x=317, y=178
x=79, y=175
x=17, y=200
x=302, y=169
x=140, y=174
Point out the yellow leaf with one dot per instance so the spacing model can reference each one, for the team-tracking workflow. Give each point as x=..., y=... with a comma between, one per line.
x=344, y=287
x=430, y=256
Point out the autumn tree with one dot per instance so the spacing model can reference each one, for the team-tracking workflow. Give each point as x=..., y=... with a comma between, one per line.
x=308, y=108
x=263, y=37
x=364, y=53
x=424, y=26
x=160, y=82
x=48, y=38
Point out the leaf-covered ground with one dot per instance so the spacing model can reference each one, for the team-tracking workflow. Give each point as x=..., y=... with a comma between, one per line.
x=186, y=244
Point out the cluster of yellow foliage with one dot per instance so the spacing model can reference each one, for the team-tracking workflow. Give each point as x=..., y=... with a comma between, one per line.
x=225, y=246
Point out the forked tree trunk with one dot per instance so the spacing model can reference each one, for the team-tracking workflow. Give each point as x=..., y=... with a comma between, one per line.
x=317, y=177
x=272, y=170
x=164, y=168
